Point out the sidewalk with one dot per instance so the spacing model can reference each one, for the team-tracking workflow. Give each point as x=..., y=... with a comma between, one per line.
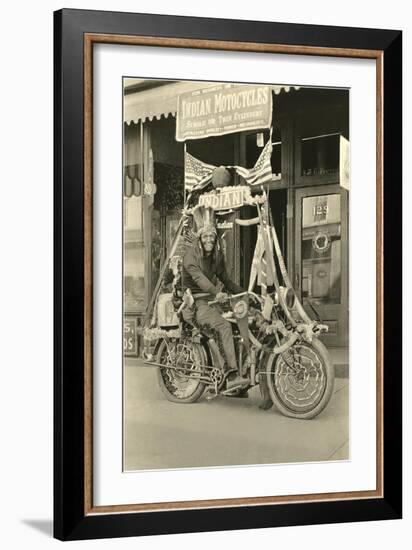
x=159, y=434
x=340, y=359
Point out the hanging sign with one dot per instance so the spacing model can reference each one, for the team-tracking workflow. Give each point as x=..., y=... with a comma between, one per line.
x=130, y=336
x=321, y=242
x=225, y=225
x=344, y=167
x=228, y=198
x=223, y=109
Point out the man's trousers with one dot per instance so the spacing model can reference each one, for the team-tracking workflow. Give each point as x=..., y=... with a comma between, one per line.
x=210, y=319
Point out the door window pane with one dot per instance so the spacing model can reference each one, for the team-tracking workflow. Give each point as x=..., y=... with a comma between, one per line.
x=321, y=249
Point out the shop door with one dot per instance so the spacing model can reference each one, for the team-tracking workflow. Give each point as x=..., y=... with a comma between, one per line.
x=321, y=257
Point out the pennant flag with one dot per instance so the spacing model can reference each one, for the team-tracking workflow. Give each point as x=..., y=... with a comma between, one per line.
x=197, y=173
x=262, y=171
x=259, y=273
x=256, y=271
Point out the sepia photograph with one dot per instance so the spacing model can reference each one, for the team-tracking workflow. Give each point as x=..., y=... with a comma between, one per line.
x=224, y=346
x=235, y=274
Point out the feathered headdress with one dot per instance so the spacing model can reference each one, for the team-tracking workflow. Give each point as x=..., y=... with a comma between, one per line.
x=204, y=220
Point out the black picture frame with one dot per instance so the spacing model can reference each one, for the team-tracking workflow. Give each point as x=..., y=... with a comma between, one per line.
x=71, y=519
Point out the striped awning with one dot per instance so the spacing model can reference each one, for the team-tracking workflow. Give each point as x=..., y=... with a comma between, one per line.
x=162, y=101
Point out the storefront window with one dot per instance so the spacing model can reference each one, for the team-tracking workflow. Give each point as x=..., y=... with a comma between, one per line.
x=135, y=297
x=320, y=134
x=156, y=248
x=254, y=144
x=320, y=155
x=169, y=179
x=216, y=150
x=153, y=197
x=321, y=249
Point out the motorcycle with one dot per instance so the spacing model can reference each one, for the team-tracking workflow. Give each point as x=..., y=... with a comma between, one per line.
x=276, y=343
x=290, y=366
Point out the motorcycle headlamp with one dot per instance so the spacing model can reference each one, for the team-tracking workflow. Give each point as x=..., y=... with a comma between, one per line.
x=240, y=309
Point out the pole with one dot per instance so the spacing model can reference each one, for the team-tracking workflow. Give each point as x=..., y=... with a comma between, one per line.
x=298, y=306
x=184, y=173
x=271, y=263
x=172, y=250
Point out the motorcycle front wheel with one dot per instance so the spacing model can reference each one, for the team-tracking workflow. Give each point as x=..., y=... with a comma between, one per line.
x=181, y=385
x=301, y=380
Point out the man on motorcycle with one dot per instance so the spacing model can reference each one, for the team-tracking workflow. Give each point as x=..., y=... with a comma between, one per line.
x=203, y=265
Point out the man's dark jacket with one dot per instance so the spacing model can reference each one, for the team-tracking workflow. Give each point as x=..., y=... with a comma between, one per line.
x=200, y=272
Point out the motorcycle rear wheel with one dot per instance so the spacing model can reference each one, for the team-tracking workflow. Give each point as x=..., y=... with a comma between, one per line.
x=177, y=385
x=301, y=380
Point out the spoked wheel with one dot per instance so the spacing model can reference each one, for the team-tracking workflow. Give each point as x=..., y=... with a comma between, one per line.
x=181, y=384
x=301, y=379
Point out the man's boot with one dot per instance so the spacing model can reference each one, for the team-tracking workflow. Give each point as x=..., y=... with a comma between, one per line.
x=236, y=381
x=239, y=393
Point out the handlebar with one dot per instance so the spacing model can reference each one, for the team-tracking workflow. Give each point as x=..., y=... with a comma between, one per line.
x=232, y=296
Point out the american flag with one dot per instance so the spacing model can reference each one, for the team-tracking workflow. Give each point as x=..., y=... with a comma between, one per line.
x=197, y=173
x=262, y=171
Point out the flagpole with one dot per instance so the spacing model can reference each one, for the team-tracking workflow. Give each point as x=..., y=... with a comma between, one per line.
x=184, y=173
x=170, y=254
